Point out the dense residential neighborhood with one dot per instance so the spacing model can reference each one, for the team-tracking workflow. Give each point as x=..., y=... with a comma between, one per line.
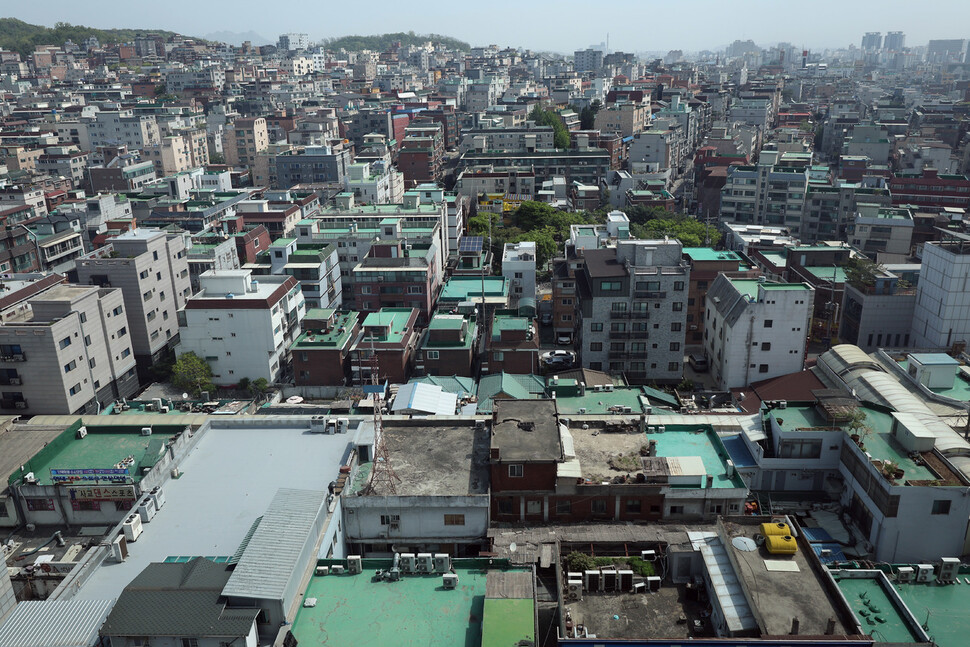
x=403, y=340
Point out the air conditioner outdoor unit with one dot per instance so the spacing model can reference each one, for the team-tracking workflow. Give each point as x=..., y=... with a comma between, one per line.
x=949, y=568
x=608, y=387
x=119, y=548
x=905, y=574
x=449, y=581
x=354, y=566
x=582, y=410
x=648, y=555
x=425, y=563
x=625, y=580
x=442, y=562
x=30, y=478
x=574, y=590
x=146, y=510
x=146, y=431
x=132, y=527
x=653, y=583
x=783, y=404
x=158, y=496
x=610, y=579
x=82, y=432
x=592, y=581
x=408, y=563
x=20, y=404
x=640, y=587
x=15, y=380
x=337, y=569
x=323, y=570
x=924, y=572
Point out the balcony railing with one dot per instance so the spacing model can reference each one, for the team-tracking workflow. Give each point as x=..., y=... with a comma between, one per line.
x=13, y=404
x=649, y=294
x=13, y=357
x=10, y=381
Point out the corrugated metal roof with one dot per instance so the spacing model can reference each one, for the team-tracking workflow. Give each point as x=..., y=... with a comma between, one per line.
x=55, y=623
x=268, y=561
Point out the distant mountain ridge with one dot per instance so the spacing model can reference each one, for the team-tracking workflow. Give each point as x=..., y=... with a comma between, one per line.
x=19, y=36
x=381, y=42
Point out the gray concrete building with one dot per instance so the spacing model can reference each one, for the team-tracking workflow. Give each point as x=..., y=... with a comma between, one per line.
x=634, y=315
x=68, y=352
x=151, y=268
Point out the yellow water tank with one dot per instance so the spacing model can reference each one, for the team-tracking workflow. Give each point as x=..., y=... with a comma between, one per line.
x=781, y=544
x=769, y=529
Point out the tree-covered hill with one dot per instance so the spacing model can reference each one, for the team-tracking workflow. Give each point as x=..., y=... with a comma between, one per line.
x=381, y=42
x=19, y=36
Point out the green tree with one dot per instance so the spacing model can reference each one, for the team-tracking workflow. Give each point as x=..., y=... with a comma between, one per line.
x=543, y=117
x=259, y=386
x=689, y=231
x=192, y=373
x=861, y=272
x=217, y=158
x=546, y=245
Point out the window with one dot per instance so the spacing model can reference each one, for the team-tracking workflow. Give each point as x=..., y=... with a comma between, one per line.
x=678, y=306
x=498, y=357
x=37, y=505
x=941, y=506
x=595, y=346
x=76, y=389
x=567, y=302
x=599, y=506
x=122, y=331
x=515, y=471
x=618, y=326
x=763, y=368
x=617, y=346
x=633, y=506
x=674, y=345
x=800, y=448
x=70, y=366
x=678, y=286
x=766, y=345
x=619, y=306
x=85, y=506
x=533, y=507
x=431, y=354
x=564, y=507
x=454, y=520
x=505, y=505
x=388, y=519
x=676, y=509
x=126, y=352
x=596, y=327
x=64, y=343
x=146, y=296
x=611, y=286
x=84, y=317
x=768, y=323
x=415, y=289
x=676, y=326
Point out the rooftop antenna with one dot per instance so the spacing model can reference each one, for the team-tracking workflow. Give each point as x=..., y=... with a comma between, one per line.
x=383, y=473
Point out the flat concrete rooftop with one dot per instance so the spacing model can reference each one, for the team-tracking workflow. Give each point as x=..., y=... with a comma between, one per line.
x=778, y=596
x=437, y=461
x=228, y=480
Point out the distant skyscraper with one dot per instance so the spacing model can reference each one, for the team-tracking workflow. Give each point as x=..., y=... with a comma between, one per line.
x=895, y=41
x=588, y=60
x=293, y=42
x=872, y=41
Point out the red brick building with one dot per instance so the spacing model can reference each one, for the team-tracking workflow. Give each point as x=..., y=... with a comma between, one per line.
x=391, y=335
x=930, y=189
x=321, y=355
x=421, y=158
x=513, y=344
x=448, y=345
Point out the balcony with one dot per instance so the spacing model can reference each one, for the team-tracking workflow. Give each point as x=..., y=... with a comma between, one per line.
x=11, y=381
x=13, y=404
x=13, y=357
x=638, y=334
x=644, y=294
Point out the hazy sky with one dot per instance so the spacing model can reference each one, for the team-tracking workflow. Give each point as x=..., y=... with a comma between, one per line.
x=562, y=25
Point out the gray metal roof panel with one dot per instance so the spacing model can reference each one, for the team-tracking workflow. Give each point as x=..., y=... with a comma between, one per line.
x=267, y=563
x=50, y=623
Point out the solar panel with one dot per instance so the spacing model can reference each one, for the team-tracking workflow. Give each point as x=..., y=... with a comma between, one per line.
x=471, y=244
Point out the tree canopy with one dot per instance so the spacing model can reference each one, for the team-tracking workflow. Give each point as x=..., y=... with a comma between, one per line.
x=192, y=373
x=19, y=36
x=382, y=42
x=544, y=117
x=689, y=231
x=587, y=116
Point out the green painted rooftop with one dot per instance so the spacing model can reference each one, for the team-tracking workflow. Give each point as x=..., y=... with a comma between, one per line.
x=283, y=242
x=961, y=384
x=778, y=259
x=879, y=443
x=336, y=337
x=942, y=607
x=446, y=322
x=710, y=254
x=469, y=288
x=98, y=450
x=826, y=273
x=394, y=320
x=878, y=615
x=416, y=610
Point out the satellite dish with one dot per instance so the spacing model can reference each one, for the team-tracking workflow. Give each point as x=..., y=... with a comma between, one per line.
x=745, y=544
x=512, y=547
x=185, y=396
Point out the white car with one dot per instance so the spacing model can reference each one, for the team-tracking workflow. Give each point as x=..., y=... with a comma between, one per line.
x=558, y=356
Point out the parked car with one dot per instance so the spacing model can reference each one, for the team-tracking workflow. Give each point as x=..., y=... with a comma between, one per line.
x=545, y=319
x=564, y=339
x=558, y=355
x=698, y=362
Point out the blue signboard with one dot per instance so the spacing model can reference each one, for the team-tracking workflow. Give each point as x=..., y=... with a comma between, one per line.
x=111, y=474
